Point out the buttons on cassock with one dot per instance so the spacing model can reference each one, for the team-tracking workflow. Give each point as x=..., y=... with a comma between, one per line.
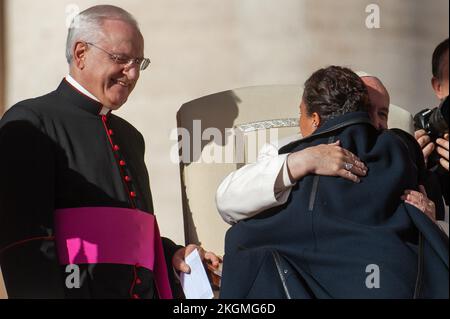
x=127, y=179
x=125, y=175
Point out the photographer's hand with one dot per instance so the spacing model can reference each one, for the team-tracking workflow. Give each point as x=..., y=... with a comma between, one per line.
x=425, y=144
x=442, y=150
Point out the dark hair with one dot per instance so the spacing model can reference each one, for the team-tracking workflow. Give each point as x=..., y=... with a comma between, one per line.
x=438, y=58
x=335, y=91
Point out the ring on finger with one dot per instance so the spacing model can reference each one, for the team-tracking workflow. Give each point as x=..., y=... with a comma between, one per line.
x=348, y=166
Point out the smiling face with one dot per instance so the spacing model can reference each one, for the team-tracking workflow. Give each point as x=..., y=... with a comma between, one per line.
x=109, y=82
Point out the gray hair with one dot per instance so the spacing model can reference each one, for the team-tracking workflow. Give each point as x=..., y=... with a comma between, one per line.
x=87, y=26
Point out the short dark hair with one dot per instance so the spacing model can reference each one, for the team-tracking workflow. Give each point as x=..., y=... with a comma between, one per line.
x=438, y=58
x=335, y=91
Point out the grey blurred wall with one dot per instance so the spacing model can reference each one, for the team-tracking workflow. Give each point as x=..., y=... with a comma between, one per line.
x=200, y=47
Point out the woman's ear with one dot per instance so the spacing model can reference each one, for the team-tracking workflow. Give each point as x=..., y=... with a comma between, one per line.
x=315, y=119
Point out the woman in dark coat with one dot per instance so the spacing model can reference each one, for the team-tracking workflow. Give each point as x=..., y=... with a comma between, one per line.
x=334, y=238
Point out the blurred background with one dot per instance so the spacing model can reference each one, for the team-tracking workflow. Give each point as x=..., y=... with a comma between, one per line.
x=199, y=47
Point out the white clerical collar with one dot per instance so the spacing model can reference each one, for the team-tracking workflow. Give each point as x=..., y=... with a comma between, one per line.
x=80, y=88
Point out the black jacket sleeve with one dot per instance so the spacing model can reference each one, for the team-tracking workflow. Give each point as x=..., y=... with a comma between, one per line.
x=27, y=175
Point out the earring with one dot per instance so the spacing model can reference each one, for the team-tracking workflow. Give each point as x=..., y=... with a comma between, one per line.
x=315, y=124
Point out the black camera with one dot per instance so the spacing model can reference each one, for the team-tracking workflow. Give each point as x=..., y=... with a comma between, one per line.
x=435, y=123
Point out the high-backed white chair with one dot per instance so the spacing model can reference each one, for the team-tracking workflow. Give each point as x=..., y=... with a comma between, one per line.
x=400, y=118
x=221, y=132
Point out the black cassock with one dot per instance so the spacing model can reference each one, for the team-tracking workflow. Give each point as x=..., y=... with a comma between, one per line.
x=58, y=151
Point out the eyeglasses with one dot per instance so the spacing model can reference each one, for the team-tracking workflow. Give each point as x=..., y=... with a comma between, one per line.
x=123, y=60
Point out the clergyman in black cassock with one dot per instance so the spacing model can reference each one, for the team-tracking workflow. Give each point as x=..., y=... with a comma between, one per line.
x=74, y=188
x=56, y=154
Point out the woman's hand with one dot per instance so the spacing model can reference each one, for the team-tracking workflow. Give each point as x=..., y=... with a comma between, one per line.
x=327, y=160
x=420, y=201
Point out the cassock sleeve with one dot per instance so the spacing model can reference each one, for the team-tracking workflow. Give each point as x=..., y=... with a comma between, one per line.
x=170, y=249
x=27, y=180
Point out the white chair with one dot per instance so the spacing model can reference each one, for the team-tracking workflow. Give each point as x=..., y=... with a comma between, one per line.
x=400, y=118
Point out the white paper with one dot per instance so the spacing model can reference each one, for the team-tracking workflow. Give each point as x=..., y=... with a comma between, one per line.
x=196, y=284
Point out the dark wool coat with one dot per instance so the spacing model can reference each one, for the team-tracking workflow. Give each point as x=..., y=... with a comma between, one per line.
x=338, y=239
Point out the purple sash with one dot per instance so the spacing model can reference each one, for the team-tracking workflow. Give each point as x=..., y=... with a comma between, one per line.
x=108, y=235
